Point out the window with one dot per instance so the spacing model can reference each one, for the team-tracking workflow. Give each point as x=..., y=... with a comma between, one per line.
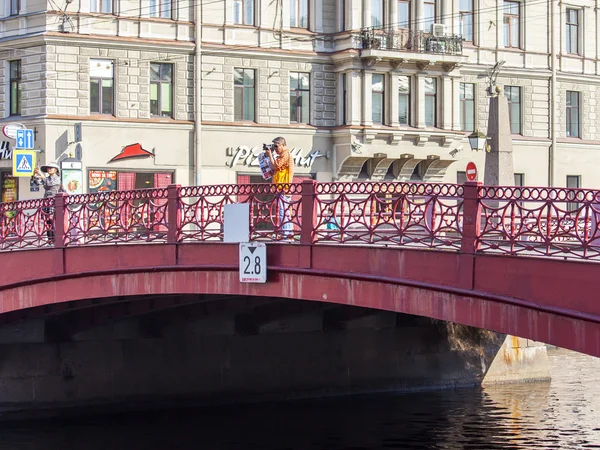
x=15, y=7
x=430, y=102
x=428, y=15
x=513, y=95
x=161, y=89
x=102, y=6
x=403, y=100
x=573, y=182
x=243, y=86
x=573, y=31
x=519, y=179
x=15, y=88
x=376, y=13
x=344, y=98
x=243, y=12
x=573, y=114
x=299, y=97
x=467, y=106
x=377, y=95
x=466, y=19
x=101, y=86
x=342, y=15
x=461, y=177
x=299, y=13
x=161, y=8
x=511, y=24
x=404, y=14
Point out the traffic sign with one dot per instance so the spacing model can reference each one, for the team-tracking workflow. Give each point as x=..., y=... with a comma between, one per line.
x=253, y=262
x=25, y=139
x=23, y=163
x=10, y=129
x=471, y=172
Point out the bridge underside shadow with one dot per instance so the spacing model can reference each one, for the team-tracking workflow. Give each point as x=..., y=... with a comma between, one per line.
x=182, y=350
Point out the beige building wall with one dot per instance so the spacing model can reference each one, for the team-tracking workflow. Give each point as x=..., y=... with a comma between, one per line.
x=56, y=41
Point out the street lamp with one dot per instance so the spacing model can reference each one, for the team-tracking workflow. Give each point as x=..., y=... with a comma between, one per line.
x=478, y=141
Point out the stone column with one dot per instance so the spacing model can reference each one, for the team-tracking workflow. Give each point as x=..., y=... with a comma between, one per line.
x=456, y=125
x=420, y=101
x=366, y=15
x=316, y=16
x=447, y=102
x=499, y=168
x=418, y=20
x=393, y=16
x=393, y=109
x=367, y=98
x=354, y=97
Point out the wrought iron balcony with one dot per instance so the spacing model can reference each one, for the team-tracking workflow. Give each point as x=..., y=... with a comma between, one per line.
x=409, y=41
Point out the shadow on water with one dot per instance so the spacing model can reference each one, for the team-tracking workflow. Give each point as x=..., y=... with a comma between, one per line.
x=563, y=414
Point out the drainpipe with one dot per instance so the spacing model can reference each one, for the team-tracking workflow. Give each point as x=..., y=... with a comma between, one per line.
x=198, y=93
x=553, y=90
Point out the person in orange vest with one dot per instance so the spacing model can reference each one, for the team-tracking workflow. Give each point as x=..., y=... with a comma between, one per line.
x=283, y=174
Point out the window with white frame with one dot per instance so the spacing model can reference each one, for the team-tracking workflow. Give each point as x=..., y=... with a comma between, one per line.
x=513, y=96
x=161, y=8
x=15, y=7
x=16, y=83
x=344, y=82
x=512, y=24
x=466, y=19
x=572, y=31
x=102, y=6
x=403, y=100
x=243, y=12
x=101, y=86
x=573, y=182
x=299, y=97
x=161, y=89
x=377, y=96
x=244, y=94
x=467, y=106
x=430, y=102
x=573, y=117
x=428, y=15
x=377, y=11
x=299, y=13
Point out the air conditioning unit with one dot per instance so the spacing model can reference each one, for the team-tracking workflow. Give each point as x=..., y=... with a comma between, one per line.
x=438, y=29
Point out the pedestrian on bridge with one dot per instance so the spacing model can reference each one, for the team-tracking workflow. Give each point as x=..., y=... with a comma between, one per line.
x=283, y=174
x=49, y=178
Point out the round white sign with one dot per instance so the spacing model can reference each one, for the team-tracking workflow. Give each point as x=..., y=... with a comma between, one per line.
x=10, y=130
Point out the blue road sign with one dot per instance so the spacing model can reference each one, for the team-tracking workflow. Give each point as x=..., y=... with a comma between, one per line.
x=25, y=139
x=23, y=163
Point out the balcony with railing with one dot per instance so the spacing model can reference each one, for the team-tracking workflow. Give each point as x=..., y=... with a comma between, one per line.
x=377, y=40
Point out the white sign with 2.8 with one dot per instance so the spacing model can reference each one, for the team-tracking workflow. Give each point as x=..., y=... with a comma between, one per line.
x=253, y=262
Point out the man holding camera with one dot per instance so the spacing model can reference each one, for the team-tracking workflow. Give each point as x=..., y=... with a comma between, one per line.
x=283, y=174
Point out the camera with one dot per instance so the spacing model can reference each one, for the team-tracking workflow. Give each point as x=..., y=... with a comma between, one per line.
x=270, y=147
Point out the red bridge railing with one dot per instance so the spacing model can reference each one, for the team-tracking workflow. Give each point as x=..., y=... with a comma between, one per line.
x=550, y=222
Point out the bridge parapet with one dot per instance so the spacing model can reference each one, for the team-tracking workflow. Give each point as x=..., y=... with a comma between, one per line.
x=471, y=218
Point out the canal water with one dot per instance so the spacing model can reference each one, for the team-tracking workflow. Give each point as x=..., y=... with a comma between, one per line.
x=562, y=414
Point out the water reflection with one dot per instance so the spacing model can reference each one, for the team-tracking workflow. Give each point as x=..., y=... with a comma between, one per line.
x=563, y=414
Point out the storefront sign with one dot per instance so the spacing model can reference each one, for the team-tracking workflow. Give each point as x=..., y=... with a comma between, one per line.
x=5, y=150
x=132, y=151
x=10, y=188
x=72, y=180
x=247, y=156
x=102, y=181
x=10, y=129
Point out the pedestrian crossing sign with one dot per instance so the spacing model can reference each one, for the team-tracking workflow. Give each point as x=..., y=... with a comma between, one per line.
x=23, y=163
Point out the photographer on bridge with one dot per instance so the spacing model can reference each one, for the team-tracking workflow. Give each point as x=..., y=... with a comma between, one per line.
x=283, y=174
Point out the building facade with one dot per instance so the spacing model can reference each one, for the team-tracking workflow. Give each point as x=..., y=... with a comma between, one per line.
x=362, y=90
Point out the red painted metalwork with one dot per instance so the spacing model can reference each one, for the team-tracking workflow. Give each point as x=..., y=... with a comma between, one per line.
x=481, y=241
x=541, y=299
x=549, y=222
